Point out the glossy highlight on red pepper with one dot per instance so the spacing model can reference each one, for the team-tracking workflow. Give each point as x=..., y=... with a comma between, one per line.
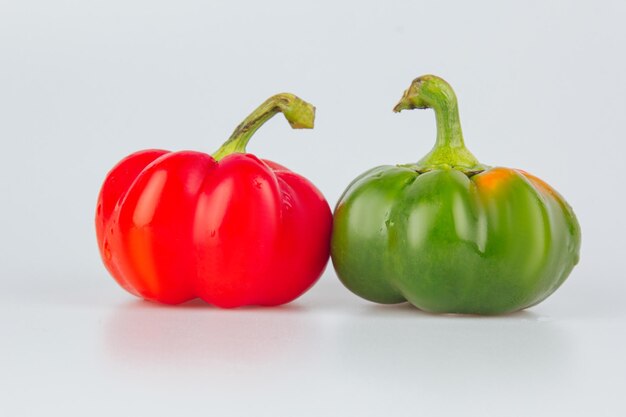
x=230, y=228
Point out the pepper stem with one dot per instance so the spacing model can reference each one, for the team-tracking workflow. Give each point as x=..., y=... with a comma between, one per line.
x=432, y=92
x=298, y=113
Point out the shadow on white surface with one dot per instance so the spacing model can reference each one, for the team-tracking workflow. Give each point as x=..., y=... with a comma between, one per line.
x=197, y=336
x=359, y=345
x=392, y=343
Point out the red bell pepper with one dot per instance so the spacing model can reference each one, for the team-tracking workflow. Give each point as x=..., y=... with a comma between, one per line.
x=230, y=228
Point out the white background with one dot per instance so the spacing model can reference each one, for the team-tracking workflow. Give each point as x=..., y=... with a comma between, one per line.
x=83, y=83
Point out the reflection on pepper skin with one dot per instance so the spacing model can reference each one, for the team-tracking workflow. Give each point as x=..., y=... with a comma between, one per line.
x=448, y=234
x=231, y=228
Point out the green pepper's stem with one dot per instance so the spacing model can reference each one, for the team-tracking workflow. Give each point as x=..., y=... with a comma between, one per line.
x=298, y=113
x=432, y=92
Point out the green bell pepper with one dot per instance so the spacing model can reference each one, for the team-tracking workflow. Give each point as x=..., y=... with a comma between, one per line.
x=449, y=234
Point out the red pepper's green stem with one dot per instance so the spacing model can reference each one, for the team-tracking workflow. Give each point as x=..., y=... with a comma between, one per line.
x=298, y=113
x=432, y=92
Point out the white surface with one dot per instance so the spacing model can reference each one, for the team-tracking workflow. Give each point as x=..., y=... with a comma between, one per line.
x=541, y=87
x=80, y=350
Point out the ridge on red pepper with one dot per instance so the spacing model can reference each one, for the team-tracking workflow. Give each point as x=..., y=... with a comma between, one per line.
x=229, y=228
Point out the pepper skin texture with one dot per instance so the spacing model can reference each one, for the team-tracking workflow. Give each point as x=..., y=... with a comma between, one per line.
x=448, y=234
x=230, y=228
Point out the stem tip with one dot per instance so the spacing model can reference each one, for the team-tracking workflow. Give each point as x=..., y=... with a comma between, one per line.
x=299, y=114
